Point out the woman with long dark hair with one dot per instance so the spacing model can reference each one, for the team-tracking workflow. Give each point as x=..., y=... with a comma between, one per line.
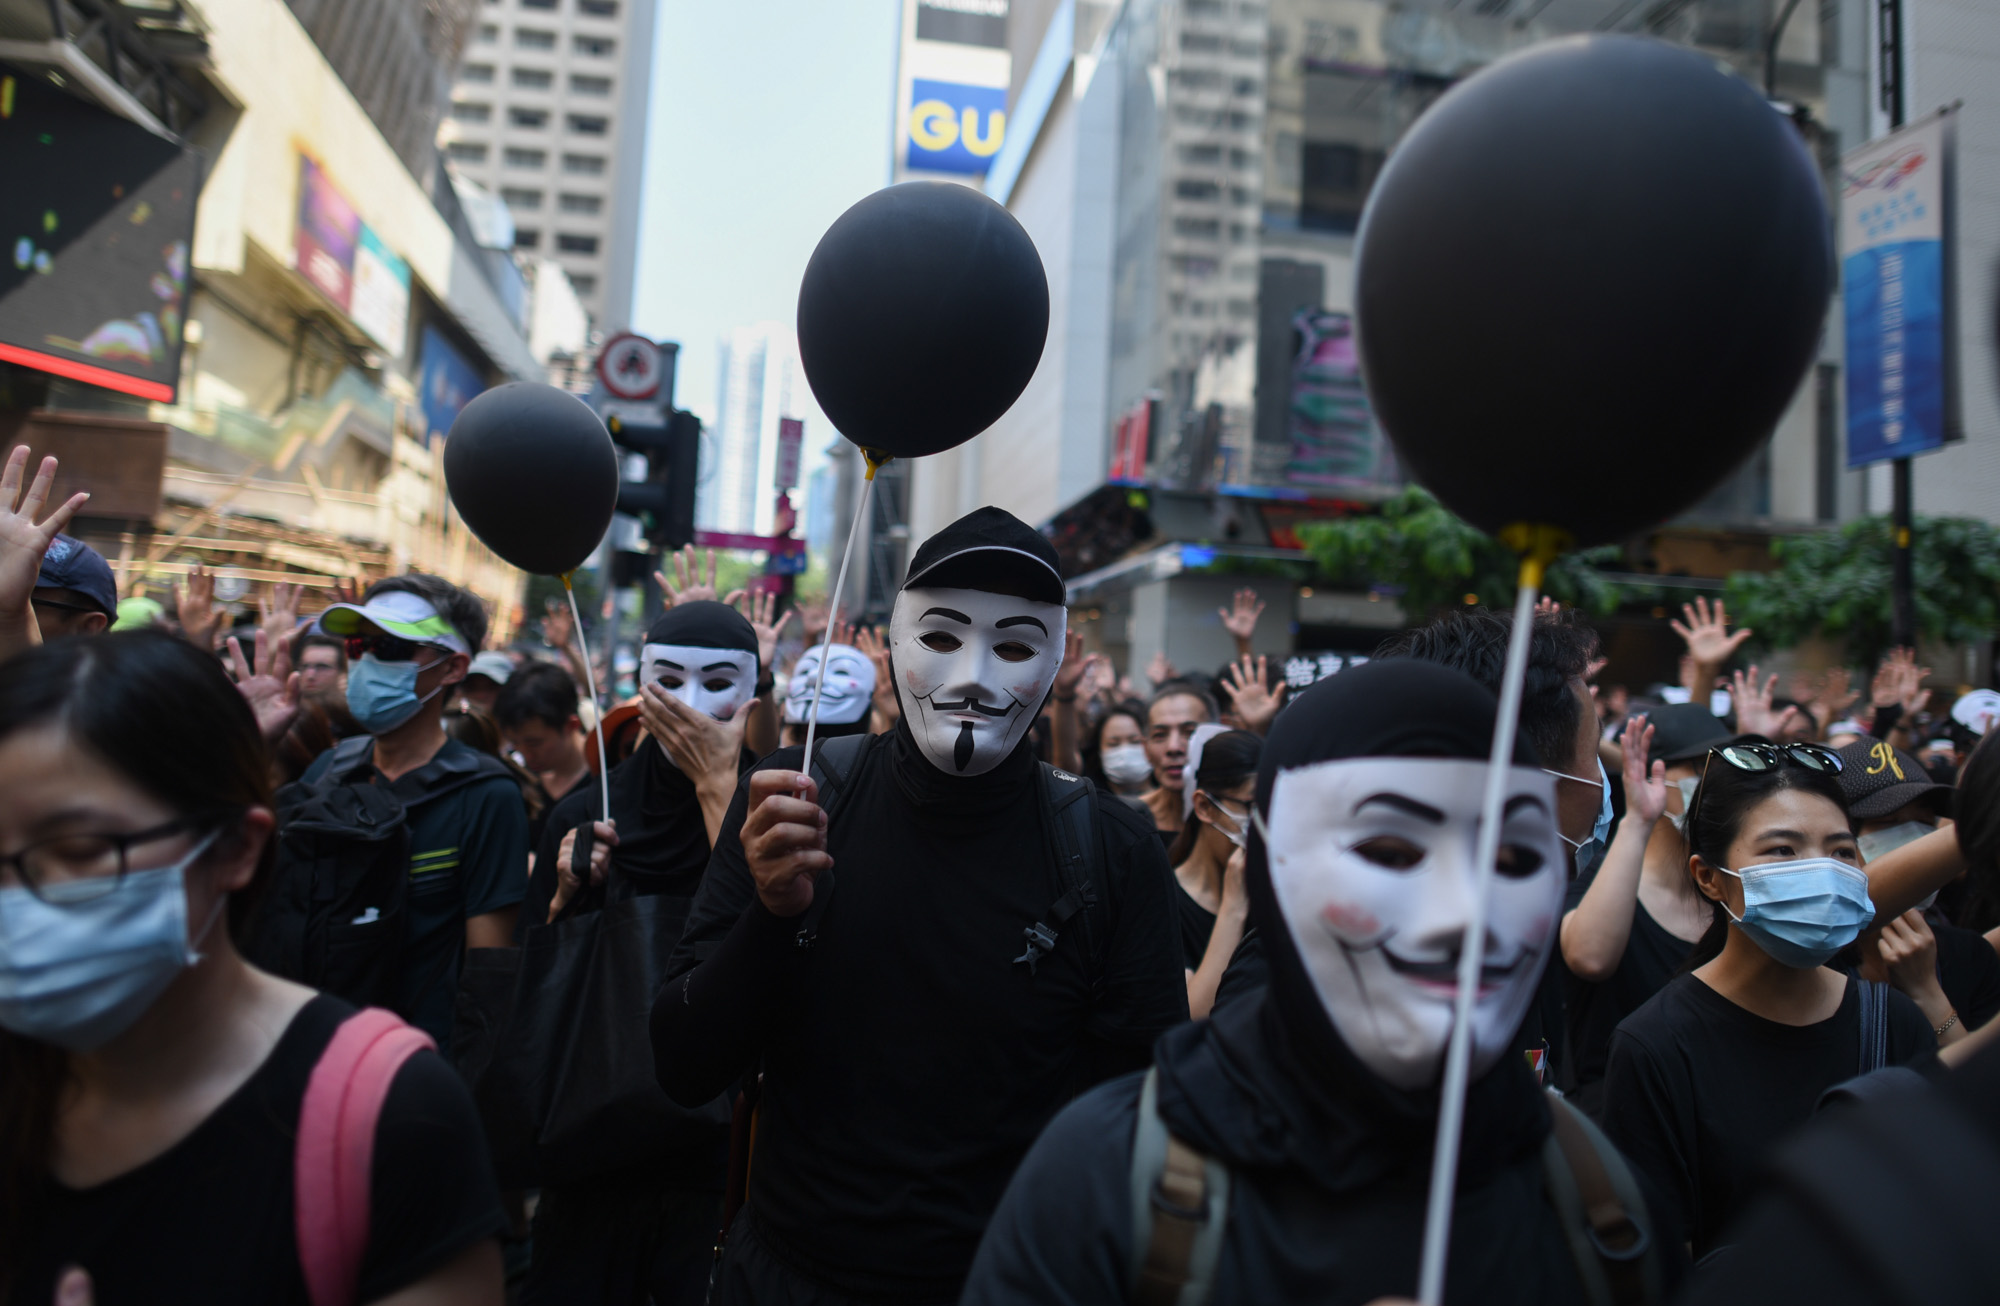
x=1115, y=758
x=1207, y=857
x=1735, y=1051
x=151, y=1081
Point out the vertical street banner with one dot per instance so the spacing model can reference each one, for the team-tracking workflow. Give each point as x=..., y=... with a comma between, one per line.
x=1896, y=236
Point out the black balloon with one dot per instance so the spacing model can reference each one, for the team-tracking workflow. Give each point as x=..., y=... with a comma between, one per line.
x=532, y=471
x=921, y=317
x=1587, y=285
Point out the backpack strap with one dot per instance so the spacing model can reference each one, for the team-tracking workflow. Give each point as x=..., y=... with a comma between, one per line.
x=349, y=755
x=1180, y=1209
x=335, y=1154
x=1603, y=1213
x=1070, y=808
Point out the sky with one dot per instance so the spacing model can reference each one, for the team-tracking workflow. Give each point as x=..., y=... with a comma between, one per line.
x=768, y=119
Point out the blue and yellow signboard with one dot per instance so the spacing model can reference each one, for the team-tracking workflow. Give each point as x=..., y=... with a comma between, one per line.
x=953, y=127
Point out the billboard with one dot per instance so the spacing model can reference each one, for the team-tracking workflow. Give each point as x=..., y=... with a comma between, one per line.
x=96, y=220
x=348, y=261
x=1896, y=290
x=446, y=383
x=951, y=88
x=380, y=299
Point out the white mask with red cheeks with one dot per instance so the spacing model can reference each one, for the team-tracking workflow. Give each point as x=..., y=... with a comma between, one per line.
x=1371, y=862
x=972, y=669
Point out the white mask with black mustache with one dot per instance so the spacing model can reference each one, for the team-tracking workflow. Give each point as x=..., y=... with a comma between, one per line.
x=1372, y=862
x=972, y=669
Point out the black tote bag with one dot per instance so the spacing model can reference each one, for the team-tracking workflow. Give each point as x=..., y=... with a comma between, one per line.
x=553, y=1038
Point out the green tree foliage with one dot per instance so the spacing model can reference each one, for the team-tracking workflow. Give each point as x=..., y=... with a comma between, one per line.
x=1434, y=558
x=1837, y=584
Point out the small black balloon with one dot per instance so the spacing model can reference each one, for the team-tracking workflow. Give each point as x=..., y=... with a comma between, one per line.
x=532, y=471
x=1587, y=285
x=922, y=315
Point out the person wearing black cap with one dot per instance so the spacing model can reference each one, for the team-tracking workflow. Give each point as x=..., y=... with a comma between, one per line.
x=911, y=1046
x=647, y=1232
x=1630, y=923
x=1281, y=1151
x=1952, y=974
x=74, y=590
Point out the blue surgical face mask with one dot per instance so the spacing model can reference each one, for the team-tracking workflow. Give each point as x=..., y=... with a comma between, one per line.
x=1802, y=912
x=1599, y=832
x=383, y=695
x=78, y=974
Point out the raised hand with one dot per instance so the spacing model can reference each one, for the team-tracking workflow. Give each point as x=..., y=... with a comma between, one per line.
x=688, y=583
x=23, y=542
x=784, y=840
x=1160, y=670
x=1240, y=617
x=1829, y=697
x=1546, y=607
x=1750, y=695
x=268, y=684
x=758, y=613
x=876, y=650
x=1645, y=787
x=1899, y=682
x=278, y=616
x=1250, y=690
x=1074, y=666
x=194, y=604
x=1706, y=633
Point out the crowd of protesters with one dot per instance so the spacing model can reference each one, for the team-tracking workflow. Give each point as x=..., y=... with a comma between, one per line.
x=1122, y=996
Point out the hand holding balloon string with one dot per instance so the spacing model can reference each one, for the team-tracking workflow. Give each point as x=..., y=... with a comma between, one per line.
x=784, y=840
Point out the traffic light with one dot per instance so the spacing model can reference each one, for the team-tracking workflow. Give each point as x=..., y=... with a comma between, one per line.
x=664, y=501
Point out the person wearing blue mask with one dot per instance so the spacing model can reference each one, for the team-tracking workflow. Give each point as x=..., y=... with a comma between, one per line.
x=1735, y=1052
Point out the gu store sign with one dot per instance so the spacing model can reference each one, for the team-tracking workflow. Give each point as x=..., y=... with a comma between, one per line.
x=1896, y=290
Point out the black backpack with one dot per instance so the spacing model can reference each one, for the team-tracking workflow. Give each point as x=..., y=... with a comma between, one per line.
x=335, y=914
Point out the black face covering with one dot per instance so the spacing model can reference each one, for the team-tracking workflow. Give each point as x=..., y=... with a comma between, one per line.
x=703, y=623
x=1327, y=1110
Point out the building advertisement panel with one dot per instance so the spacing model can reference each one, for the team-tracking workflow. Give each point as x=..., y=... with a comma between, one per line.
x=1895, y=240
x=951, y=88
x=380, y=299
x=327, y=235
x=446, y=384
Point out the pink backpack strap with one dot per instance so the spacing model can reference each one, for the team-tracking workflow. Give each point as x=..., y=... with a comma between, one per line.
x=336, y=1147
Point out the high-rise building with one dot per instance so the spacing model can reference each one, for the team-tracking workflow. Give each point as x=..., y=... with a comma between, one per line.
x=759, y=382
x=549, y=113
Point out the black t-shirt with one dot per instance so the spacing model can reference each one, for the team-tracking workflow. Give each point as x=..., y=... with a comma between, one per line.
x=1968, y=972
x=539, y=825
x=1593, y=1011
x=211, y=1220
x=909, y=1060
x=1699, y=1090
x=1196, y=922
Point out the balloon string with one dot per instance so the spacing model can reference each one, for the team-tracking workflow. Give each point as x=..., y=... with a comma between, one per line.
x=590, y=680
x=1472, y=952
x=875, y=461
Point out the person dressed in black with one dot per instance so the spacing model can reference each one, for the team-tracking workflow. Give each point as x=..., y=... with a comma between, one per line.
x=1728, y=1058
x=1207, y=856
x=931, y=969
x=1319, y=1093
x=648, y=1231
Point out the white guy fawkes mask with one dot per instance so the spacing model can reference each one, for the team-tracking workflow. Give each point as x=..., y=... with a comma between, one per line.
x=1371, y=861
x=972, y=669
x=850, y=685
x=717, y=681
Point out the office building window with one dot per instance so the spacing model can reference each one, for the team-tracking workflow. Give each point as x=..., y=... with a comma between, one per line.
x=598, y=8
x=533, y=79
x=538, y=4
x=533, y=119
x=518, y=198
x=527, y=238
x=476, y=72
x=585, y=285
x=588, y=124
x=601, y=46
x=571, y=243
x=520, y=158
x=584, y=165
x=466, y=152
x=488, y=33
x=463, y=112
x=534, y=38
x=582, y=85
x=587, y=204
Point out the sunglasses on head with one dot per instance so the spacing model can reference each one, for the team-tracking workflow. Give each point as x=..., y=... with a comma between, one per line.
x=386, y=648
x=1760, y=758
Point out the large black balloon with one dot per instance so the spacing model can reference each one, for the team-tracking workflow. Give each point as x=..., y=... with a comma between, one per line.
x=1588, y=283
x=921, y=317
x=532, y=471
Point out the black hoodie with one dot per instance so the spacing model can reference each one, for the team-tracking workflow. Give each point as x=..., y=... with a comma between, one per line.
x=1329, y=1164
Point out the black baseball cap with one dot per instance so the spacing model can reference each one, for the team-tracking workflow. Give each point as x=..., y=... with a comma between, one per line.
x=1683, y=732
x=993, y=550
x=1877, y=779
x=72, y=565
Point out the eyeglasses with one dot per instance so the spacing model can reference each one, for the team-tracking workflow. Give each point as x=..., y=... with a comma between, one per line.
x=78, y=867
x=386, y=648
x=1760, y=758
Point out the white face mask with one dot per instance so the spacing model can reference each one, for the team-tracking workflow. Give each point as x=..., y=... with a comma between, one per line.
x=713, y=680
x=1126, y=764
x=850, y=684
x=1372, y=863
x=1881, y=843
x=1687, y=784
x=972, y=670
